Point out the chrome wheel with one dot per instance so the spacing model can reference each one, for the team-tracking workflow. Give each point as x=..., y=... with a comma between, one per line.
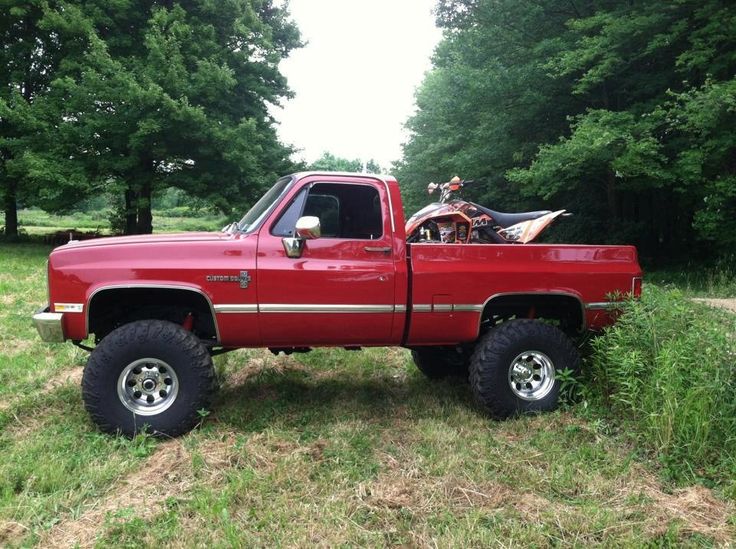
x=148, y=386
x=531, y=375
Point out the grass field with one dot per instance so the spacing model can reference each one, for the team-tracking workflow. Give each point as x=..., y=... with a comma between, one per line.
x=326, y=448
x=34, y=222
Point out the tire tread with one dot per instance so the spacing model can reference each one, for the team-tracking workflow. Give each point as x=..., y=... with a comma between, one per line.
x=96, y=372
x=488, y=359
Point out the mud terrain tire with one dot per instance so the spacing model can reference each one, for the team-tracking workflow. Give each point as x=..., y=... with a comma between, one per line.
x=513, y=368
x=148, y=374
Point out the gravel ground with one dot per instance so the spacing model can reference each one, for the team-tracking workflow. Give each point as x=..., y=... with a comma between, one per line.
x=728, y=304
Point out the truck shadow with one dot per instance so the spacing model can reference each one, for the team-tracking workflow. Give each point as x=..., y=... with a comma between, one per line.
x=298, y=399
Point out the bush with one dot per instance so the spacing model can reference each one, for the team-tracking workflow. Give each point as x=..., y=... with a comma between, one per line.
x=666, y=371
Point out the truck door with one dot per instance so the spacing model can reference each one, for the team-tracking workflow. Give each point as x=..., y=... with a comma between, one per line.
x=340, y=291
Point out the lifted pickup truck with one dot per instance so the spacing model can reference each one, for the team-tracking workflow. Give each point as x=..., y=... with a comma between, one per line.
x=322, y=260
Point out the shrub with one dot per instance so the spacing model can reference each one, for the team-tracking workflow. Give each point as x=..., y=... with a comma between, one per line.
x=666, y=371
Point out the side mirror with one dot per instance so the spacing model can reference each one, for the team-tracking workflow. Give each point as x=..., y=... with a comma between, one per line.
x=432, y=187
x=307, y=228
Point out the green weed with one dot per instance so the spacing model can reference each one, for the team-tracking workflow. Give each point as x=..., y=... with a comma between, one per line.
x=666, y=372
x=715, y=279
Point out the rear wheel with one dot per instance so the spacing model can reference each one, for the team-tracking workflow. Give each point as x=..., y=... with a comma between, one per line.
x=441, y=362
x=514, y=366
x=148, y=373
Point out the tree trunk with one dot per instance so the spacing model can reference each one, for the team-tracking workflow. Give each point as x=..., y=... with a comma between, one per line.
x=611, y=198
x=11, y=210
x=130, y=211
x=145, y=218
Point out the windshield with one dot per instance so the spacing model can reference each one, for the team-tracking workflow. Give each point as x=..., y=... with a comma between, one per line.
x=260, y=209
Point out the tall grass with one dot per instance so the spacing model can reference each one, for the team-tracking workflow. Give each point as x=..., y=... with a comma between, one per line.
x=714, y=279
x=667, y=372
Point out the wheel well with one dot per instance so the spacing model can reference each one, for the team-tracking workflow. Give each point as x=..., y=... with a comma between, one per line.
x=566, y=311
x=114, y=307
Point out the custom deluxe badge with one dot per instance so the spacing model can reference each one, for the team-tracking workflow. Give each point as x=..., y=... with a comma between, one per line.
x=244, y=278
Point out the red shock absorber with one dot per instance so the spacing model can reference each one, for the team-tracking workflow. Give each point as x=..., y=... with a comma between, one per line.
x=188, y=323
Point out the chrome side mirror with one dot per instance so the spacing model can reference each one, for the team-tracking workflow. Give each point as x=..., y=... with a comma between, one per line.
x=293, y=247
x=307, y=228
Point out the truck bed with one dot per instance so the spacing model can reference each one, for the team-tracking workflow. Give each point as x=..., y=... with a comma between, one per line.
x=452, y=284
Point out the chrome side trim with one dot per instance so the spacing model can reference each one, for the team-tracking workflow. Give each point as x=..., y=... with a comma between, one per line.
x=319, y=308
x=468, y=308
x=152, y=286
x=49, y=325
x=225, y=308
x=236, y=308
x=447, y=308
x=596, y=306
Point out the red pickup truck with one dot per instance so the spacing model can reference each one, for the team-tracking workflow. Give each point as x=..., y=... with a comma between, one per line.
x=322, y=260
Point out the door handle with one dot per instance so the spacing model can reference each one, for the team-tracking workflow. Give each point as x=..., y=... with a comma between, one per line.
x=384, y=249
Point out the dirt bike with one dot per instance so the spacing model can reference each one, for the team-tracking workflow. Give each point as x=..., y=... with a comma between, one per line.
x=458, y=221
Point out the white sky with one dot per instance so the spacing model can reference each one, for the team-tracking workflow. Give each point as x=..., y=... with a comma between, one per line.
x=355, y=79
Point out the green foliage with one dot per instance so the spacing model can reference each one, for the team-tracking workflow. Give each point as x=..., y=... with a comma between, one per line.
x=36, y=40
x=133, y=98
x=330, y=163
x=714, y=280
x=620, y=112
x=665, y=372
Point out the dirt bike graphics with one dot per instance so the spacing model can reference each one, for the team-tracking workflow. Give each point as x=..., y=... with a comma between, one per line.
x=458, y=221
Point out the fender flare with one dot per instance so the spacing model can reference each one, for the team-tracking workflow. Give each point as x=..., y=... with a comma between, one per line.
x=148, y=285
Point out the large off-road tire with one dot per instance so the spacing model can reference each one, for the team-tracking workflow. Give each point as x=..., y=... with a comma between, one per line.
x=148, y=374
x=513, y=368
x=441, y=362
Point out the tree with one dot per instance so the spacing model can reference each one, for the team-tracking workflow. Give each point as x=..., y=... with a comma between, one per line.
x=37, y=39
x=617, y=111
x=176, y=95
x=488, y=102
x=331, y=163
x=631, y=148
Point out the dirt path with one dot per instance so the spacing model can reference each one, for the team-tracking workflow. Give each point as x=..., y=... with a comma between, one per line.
x=723, y=303
x=170, y=464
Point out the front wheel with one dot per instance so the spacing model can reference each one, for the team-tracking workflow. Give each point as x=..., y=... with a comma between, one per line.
x=148, y=374
x=514, y=366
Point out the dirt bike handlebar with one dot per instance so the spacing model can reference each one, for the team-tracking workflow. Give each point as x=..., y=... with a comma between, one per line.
x=455, y=184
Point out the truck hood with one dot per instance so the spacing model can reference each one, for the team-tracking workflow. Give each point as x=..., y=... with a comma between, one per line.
x=148, y=239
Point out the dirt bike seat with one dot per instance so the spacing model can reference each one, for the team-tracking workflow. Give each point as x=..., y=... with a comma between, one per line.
x=507, y=219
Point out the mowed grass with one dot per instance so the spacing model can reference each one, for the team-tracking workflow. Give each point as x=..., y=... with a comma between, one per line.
x=35, y=222
x=326, y=448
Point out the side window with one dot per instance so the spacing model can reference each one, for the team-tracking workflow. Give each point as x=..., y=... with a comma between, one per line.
x=344, y=211
x=286, y=223
x=327, y=208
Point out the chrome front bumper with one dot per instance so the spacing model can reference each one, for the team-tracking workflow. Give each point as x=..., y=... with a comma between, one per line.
x=49, y=325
